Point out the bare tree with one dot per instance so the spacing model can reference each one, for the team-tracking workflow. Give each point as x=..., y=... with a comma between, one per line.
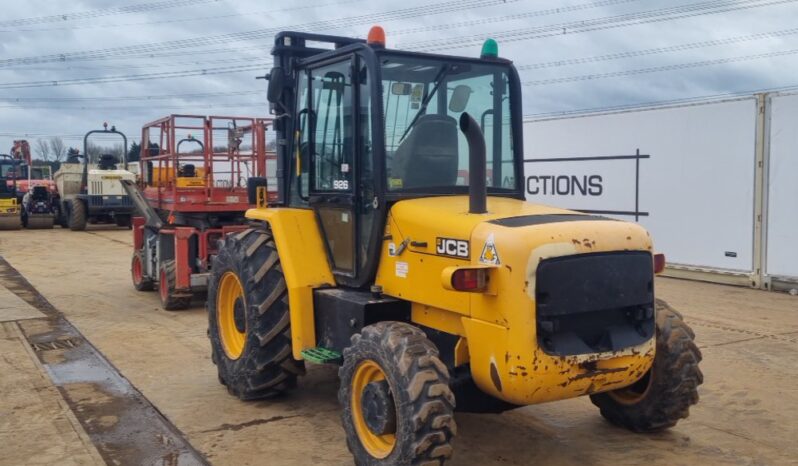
x=42, y=149
x=57, y=148
x=117, y=151
x=93, y=152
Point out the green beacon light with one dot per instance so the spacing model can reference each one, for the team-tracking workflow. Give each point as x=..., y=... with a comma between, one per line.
x=490, y=49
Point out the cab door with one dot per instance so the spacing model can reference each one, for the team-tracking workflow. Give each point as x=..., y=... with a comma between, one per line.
x=331, y=142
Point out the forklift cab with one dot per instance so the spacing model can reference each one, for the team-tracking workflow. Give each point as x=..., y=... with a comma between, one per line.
x=361, y=127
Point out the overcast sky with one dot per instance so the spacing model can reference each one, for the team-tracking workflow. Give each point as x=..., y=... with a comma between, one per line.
x=572, y=54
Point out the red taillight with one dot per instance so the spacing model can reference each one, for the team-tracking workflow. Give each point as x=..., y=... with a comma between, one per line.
x=659, y=263
x=469, y=279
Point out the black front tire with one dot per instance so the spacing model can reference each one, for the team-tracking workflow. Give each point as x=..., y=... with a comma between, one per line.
x=77, y=215
x=266, y=366
x=664, y=395
x=419, y=386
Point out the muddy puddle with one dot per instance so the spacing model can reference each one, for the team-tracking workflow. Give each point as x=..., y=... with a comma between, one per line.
x=124, y=426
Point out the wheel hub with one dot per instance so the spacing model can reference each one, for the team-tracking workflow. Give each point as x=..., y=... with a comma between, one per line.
x=231, y=315
x=239, y=316
x=378, y=408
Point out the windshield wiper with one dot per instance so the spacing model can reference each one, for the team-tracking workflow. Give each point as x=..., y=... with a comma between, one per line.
x=445, y=68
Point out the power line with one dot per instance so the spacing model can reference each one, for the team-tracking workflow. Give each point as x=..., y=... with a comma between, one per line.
x=88, y=14
x=411, y=12
x=133, y=97
x=554, y=30
x=181, y=20
x=660, y=50
x=133, y=67
x=696, y=100
x=399, y=32
x=707, y=98
x=596, y=24
x=141, y=107
x=711, y=7
x=656, y=69
x=513, y=17
x=393, y=33
x=134, y=77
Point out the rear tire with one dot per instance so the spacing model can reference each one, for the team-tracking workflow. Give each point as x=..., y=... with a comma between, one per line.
x=664, y=395
x=248, y=319
x=141, y=282
x=413, y=412
x=166, y=288
x=77, y=215
x=61, y=215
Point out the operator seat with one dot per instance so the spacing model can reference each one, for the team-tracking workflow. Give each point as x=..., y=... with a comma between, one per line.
x=187, y=171
x=428, y=156
x=107, y=162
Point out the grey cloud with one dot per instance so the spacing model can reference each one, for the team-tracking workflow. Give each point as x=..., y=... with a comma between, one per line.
x=68, y=119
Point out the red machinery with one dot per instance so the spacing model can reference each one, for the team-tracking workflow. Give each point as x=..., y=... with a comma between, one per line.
x=31, y=175
x=36, y=190
x=192, y=192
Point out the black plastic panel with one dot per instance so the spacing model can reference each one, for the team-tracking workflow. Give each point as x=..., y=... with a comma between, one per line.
x=592, y=303
x=340, y=313
x=528, y=220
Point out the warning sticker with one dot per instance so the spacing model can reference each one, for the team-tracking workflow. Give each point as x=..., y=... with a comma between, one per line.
x=401, y=269
x=489, y=254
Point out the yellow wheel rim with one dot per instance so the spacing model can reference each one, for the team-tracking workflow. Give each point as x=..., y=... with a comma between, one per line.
x=230, y=292
x=634, y=393
x=378, y=446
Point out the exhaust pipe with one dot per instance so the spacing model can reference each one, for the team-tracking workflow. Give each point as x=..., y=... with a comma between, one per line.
x=477, y=165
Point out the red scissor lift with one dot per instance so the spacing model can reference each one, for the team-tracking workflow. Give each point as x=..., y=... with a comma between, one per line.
x=192, y=192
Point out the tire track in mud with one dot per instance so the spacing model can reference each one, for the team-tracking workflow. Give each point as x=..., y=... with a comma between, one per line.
x=123, y=425
x=97, y=234
x=752, y=335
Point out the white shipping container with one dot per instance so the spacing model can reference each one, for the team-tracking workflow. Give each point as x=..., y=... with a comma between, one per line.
x=686, y=173
x=782, y=212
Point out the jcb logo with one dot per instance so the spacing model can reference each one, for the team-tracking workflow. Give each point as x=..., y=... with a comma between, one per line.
x=452, y=247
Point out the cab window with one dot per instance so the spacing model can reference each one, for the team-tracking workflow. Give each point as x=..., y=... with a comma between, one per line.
x=423, y=100
x=301, y=155
x=332, y=110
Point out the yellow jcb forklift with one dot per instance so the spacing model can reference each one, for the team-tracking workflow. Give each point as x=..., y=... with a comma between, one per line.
x=401, y=248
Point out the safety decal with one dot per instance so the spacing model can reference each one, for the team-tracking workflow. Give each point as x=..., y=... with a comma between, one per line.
x=452, y=247
x=489, y=254
x=401, y=269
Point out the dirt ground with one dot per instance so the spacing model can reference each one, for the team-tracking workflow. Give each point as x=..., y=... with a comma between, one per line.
x=748, y=413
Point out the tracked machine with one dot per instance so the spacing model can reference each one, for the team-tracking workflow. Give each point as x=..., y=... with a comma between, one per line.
x=192, y=193
x=92, y=192
x=401, y=248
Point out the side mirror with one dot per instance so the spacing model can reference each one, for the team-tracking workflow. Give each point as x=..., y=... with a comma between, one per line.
x=459, y=100
x=276, y=85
